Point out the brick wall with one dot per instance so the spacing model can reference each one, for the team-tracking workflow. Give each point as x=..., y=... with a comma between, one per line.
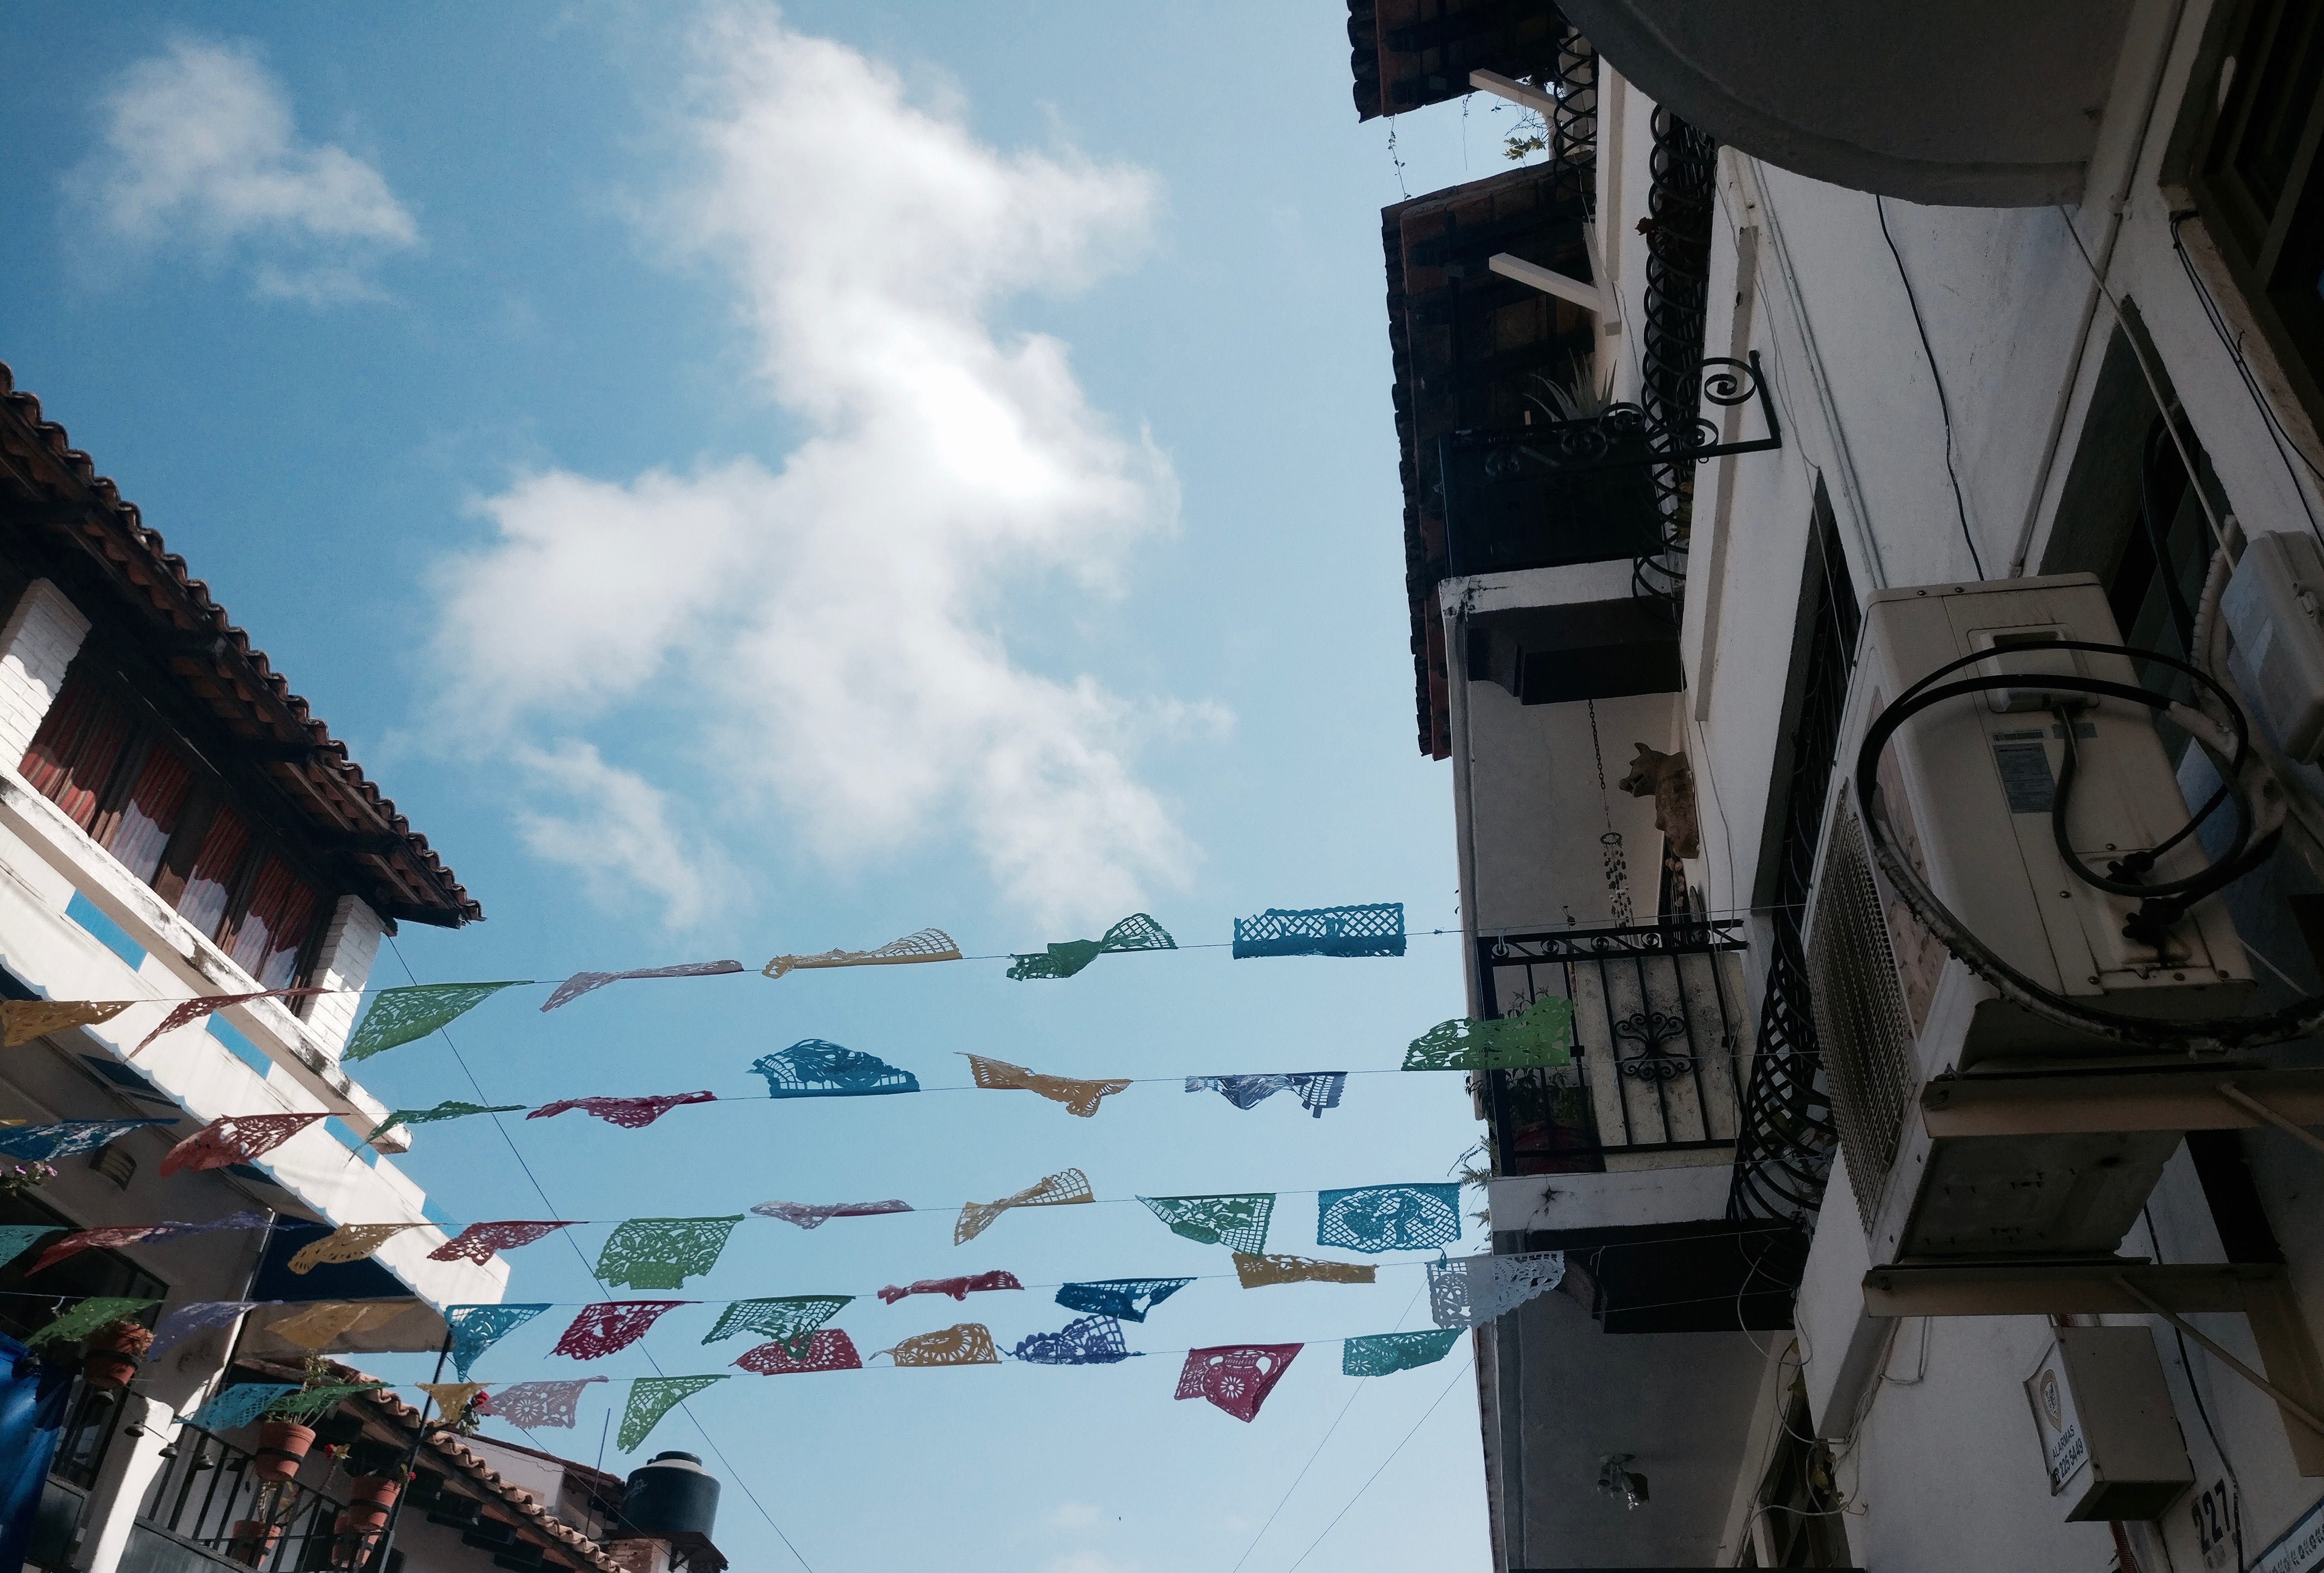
x=350, y=945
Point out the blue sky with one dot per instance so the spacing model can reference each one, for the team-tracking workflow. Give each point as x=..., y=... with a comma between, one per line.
x=750, y=481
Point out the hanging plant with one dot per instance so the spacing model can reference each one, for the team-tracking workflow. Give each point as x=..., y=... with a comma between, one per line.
x=18, y=1179
x=110, y=1356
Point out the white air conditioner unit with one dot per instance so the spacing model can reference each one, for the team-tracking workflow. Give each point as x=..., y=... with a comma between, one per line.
x=1968, y=786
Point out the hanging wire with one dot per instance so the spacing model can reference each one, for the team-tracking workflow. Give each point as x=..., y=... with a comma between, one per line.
x=739, y=1479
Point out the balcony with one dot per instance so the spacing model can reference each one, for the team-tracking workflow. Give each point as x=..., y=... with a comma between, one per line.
x=210, y=1510
x=1623, y=1158
x=1661, y=1045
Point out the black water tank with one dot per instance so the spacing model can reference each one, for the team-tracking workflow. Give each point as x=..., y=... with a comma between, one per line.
x=671, y=1496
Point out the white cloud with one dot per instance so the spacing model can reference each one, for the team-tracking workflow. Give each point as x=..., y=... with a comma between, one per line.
x=824, y=634
x=1086, y=1562
x=200, y=148
x=619, y=835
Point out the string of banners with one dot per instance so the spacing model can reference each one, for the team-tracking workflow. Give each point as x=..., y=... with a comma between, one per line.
x=401, y=1014
x=1464, y=1292
x=662, y=1253
x=1541, y=1036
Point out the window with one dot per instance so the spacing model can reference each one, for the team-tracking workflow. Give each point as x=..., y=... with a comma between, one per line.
x=150, y=813
x=2259, y=182
x=2131, y=514
x=78, y=748
x=124, y=780
x=276, y=920
x=210, y=885
x=1782, y=1157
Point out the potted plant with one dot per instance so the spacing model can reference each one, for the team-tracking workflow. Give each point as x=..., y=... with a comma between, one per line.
x=253, y=1540
x=110, y=1356
x=377, y=1476
x=24, y=1178
x=284, y=1444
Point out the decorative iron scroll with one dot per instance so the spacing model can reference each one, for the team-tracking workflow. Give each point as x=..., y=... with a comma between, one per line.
x=1626, y=436
x=1611, y=944
x=1373, y=930
x=1650, y=1030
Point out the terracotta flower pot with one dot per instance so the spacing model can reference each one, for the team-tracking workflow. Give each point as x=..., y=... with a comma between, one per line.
x=254, y=1540
x=107, y=1368
x=282, y=1447
x=373, y=1496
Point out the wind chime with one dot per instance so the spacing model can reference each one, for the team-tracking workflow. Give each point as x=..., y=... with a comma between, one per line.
x=1618, y=869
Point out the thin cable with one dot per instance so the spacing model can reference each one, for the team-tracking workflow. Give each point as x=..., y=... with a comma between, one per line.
x=739, y=1479
x=2277, y=435
x=1376, y=1474
x=2236, y=1516
x=2153, y=382
x=1318, y=1453
x=1944, y=406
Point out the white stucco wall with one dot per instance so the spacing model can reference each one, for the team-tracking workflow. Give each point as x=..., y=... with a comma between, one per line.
x=1938, y=1462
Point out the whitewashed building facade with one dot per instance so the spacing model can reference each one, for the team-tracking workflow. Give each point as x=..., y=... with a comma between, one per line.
x=1803, y=360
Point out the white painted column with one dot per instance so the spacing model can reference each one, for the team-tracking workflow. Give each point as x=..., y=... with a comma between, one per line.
x=122, y=1482
x=350, y=946
x=38, y=642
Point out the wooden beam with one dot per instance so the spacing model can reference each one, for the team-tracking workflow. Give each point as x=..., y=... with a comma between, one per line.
x=2212, y=1098
x=1516, y=92
x=1585, y=296
x=2260, y=1292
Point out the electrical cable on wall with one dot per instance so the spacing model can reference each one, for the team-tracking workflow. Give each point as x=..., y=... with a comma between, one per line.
x=1944, y=406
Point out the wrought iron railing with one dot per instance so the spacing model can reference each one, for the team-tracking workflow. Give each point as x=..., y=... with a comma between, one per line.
x=210, y=1495
x=1681, y=203
x=1789, y=1136
x=1661, y=1045
x=1589, y=490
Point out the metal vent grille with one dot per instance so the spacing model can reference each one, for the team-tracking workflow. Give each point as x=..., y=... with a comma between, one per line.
x=1862, y=1026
